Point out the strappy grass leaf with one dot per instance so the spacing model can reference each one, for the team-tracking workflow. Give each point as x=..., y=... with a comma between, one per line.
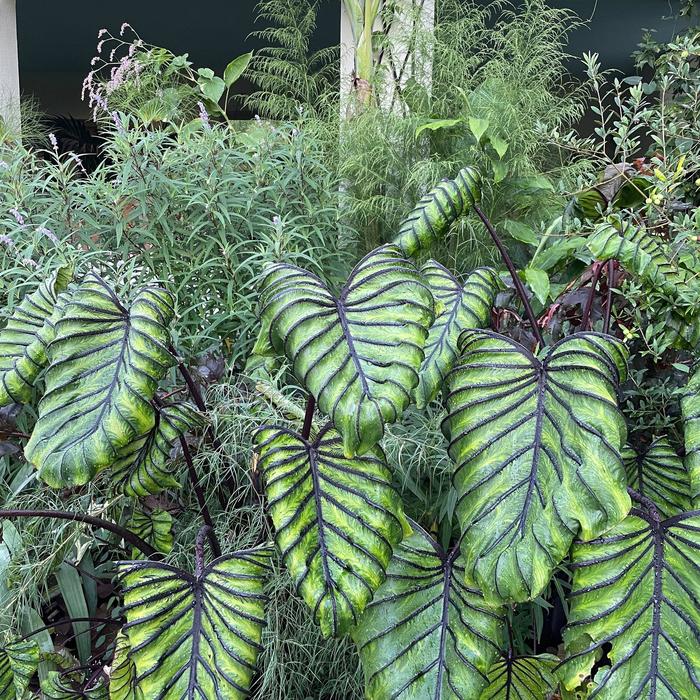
x=71, y=686
x=196, y=636
x=25, y=338
x=123, y=674
x=690, y=408
x=18, y=664
x=155, y=527
x=536, y=445
x=460, y=307
x=143, y=465
x=337, y=520
x=658, y=473
x=522, y=677
x=427, y=634
x=432, y=217
x=635, y=592
x=105, y=364
x=358, y=354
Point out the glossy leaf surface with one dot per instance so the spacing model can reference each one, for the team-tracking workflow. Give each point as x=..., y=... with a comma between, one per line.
x=155, y=527
x=122, y=675
x=522, y=678
x=690, y=408
x=71, y=686
x=18, y=664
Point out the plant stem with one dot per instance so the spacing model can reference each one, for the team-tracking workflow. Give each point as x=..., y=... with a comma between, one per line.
x=586, y=318
x=513, y=273
x=646, y=502
x=204, y=531
x=308, y=417
x=125, y=534
x=69, y=621
x=608, y=306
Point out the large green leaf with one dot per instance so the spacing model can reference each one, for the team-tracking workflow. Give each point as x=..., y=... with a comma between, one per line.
x=25, y=338
x=635, y=593
x=459, y=307
x=536, y=445
x=337, y=520
x=105, y=364
x=18, y=664
x=71, y=686
x=122, y=676
x=522, y=677
x=438, y=210
x=196, y=636
x=658, y=473
x=427, y=634
x=358, y=354
x=155, y=527
x=690, y=407
x=143, y=465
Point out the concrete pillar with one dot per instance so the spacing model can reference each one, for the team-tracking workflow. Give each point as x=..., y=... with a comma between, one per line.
x=9, y=64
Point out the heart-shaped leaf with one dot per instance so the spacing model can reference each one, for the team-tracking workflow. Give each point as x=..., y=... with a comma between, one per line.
x=522, y=677
x=357, y=354
x=19, y=662
x=537, y=448
x=337, y=520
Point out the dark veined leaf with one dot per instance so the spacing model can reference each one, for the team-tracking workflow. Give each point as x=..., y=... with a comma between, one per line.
x=155, y=527
x=337, y=520
x=690, y=407
x=18, y=664
x=636, y=589
x=588, y=205
x=143, y=465
x=460, y=307
x=122, y=676
x=25, y=338
x=71, y=686
x=522, y=677
x=427, y=634
x=105, y=364
x=358, y=354
x=536, y=445
x=196, y=636
x=658, y=473
x=438, y=210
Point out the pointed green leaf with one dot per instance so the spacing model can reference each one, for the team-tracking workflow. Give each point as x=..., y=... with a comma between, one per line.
x=155, y=527
x=358, y=354
x=105, y=364
x=635, y=592
x=538, y=281
x=196, y=636
x=71, y=686
x=122, y=676
x=18, y=664
x=437, y=124
x=71, y=587
x=658, y=473
x=536, y=445
x=499, y=145
x=478, y=127
x=236, y=68
x=462, y=306
x=432, y=217
x=521, y=232
x=522, y=677
x=25, y=338
x=427, y=634
x=336, y=520
x=690, y=407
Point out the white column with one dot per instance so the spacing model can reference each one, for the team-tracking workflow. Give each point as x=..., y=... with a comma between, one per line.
x=9, y=64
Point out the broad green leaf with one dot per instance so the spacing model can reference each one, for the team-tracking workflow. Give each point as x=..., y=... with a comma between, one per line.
x=30, y=622
x=236, y=68
x=432, y=217
x=71, y=686
x=437, y=124
x=588, y=205
x=536, y=444
x=427, y=634
x=690, y=407
x=499, y=145
x=658, y=473
x=143, y=466
x=635, y=592
x=123, y=674
x=71, y=587
x=336, y=520
x=105, y=365
x=25, y=338
x=478, y=127
x=538, y=281
x=212, y=87
x=358, y=354
x=522, y=677
x=196, y=636
x=19, y=662
x=155, y=527
x=521, y=232
x=461, y=307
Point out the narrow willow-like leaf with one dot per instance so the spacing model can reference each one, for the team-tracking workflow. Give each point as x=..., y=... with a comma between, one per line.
x=427, y=634
x=690, y=407
x=122, y=676
x=105, y=364
x=358, y=354
x=18, y=664
x=70, y=686
x=658, y=473
x=536, y=445
x=461, y=307
x=337, y=520
x=25, y=338
x=155, y=527
x=636, y=592
x=196, y=636
x=522, y=678
x=438, y=210
x=143, y=466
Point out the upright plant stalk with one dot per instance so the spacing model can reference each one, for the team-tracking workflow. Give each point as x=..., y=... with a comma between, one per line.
x=608, y=305
x=586, y=317
x=308, y=417
x=513, y=273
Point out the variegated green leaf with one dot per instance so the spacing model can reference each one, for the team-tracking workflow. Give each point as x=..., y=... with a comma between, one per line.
x=196, y=636
x=357, y=354
x=438, y=210
x=143, y=466
x=658, y=472
x=336, y=519
x=155, y=527
x=536, y=445
x=105, y=364
x=72, y=686
x=522, y=678
x=18, y=664
x=460, y=307
x=25, y=338
x=427, y=634
x=690, y=407
x=635, y=593
x=122, y=676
